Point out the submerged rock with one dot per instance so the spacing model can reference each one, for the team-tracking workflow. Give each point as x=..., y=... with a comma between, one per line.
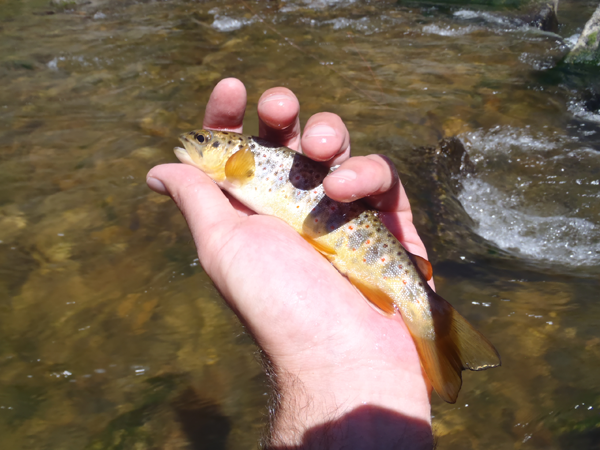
x=159, y=123
x=442, y=168
x=587, y=49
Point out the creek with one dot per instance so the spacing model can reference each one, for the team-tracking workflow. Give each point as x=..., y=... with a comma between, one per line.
x=111, y=334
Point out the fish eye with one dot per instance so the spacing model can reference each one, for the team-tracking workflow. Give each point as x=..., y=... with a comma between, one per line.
x=200, y=138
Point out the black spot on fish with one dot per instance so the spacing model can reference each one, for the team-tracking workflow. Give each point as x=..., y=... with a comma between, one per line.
x=216, y=144
x=229, y=142
x=225, y=133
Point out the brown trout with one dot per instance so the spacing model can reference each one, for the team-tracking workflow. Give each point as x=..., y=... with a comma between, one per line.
x=277, y=181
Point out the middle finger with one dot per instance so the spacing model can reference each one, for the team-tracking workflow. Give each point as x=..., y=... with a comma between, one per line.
x=278, y=117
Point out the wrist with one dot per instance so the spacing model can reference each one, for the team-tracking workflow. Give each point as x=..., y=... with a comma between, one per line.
x=373, y=405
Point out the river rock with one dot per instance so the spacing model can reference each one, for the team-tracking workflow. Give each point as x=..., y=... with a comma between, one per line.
x=545, y=18
x=441, y=168
x=587, y=49
x=159, y=123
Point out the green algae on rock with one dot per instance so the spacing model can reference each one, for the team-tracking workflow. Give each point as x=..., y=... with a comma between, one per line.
x=587, y=48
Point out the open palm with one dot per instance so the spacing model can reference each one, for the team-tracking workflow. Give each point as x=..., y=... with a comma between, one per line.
x=313, y=325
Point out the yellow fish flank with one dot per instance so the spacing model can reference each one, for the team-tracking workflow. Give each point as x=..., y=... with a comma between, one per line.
x=278, y=181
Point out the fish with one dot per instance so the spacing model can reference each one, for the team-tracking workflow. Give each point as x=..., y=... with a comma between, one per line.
x=278, y=181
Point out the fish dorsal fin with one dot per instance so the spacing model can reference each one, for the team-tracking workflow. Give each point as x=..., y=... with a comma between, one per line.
x=376, y=296
x=240, y=168
x=423, y=265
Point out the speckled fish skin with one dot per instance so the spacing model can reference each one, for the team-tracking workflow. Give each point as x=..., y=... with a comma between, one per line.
x=278, y=181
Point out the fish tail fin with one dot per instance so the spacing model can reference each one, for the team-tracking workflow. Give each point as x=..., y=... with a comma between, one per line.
x=456, y=346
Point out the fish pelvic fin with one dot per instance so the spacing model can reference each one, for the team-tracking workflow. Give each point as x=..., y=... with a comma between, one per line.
x=456, y=346
x=240, y=167
x=372, y=293
x=375, y=295
x=324, y=249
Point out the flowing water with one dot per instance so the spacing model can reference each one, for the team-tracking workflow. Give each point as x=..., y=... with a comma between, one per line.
x=112, y=336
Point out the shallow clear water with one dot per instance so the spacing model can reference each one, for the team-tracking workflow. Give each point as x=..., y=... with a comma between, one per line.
x=112, y=336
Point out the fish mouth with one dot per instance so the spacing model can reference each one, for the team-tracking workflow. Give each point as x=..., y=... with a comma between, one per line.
x=193, y=151
x=183, y=155
x=189, y=143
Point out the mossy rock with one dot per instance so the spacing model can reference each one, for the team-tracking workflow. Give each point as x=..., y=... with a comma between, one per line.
x=587, y=49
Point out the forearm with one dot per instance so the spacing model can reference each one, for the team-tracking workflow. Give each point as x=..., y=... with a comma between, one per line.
x=350, y=410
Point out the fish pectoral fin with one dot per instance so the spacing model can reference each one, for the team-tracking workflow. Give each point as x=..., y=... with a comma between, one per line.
x=326, y=250
x=454, y=346
x=375, y=295
x=423, y=265
x=240, y=167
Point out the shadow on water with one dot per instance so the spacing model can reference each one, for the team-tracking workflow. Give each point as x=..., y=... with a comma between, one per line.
x=202, y=421
x=362, y=422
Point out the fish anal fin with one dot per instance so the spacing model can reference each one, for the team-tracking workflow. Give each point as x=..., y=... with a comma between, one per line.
x=454, y=346
x=423, y=265
x=376, y=296
x=240, y=167
x=443, y=372
x=476, y=352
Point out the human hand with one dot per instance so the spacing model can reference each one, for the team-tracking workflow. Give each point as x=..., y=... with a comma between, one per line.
x=332, y=353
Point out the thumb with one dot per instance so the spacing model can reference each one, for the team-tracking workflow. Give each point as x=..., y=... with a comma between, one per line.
x=207, y=211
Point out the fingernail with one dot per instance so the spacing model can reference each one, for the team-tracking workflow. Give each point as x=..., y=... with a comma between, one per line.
x=156, y=185
x=343, y=175
x=320, y=131
x=279, y=98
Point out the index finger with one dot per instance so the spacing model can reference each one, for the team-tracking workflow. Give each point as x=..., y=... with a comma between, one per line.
x=226, y=106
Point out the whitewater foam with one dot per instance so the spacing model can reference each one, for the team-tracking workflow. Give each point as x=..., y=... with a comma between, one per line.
x=554, y=225
x=558, y=238
x=578, y=109
x=448, y=31
x=339, y=23
x=503, y=140
x=467, y=14
x=227, y=24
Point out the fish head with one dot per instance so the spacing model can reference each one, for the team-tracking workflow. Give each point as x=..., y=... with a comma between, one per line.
x=209, y=150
